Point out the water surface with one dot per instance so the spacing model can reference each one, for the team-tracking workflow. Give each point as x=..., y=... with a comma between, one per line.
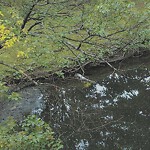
x=112, y=114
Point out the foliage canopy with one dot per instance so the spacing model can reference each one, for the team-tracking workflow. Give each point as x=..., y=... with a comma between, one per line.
x=57, y=34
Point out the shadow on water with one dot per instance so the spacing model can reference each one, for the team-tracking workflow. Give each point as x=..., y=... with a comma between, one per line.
x=112, y=114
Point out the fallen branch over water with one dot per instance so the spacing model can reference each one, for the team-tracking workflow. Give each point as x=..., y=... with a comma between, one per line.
x=82, y=78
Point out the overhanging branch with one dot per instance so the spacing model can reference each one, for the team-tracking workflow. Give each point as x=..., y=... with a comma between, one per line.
x=20, y=71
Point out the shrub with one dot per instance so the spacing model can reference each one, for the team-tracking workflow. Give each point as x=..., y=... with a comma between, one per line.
x=33, y=133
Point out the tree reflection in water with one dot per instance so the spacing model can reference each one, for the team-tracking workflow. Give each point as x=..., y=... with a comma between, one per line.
x=111, y=114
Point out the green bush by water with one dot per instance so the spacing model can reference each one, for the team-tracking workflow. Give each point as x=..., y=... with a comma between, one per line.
x=33, y=133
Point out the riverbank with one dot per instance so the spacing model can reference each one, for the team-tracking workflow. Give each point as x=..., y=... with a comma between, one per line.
x=40, y=75
x=32, y=97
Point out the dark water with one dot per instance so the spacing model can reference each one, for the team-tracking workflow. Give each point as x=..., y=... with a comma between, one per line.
x=112, y=114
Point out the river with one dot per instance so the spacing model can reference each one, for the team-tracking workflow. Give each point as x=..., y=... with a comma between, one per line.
x=111, y=114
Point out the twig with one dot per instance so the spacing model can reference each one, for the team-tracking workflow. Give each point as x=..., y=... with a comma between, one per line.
x=78, y=61
x=110, y=65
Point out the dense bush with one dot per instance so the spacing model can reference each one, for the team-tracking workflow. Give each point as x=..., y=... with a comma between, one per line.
x=32, y=134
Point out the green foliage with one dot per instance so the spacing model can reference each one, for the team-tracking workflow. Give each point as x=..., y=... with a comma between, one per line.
x=4, y=93
x=52, y=31
x=9, y=25
x=14, y=96
x=87, y=84
x=118, y=23
x=60, y=74
x=56, y=35
x=33, y=134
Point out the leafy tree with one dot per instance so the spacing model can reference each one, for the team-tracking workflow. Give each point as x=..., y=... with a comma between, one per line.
x=56, y=34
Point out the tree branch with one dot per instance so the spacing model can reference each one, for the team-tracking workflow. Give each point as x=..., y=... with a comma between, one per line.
x=14, y=68
x=27, y=16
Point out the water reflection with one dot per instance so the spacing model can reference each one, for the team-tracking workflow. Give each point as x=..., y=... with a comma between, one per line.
x=112, y=114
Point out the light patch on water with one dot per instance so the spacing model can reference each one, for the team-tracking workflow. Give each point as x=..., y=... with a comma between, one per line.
x=82, y=145
x=98, y=89
x=114, y=75
x=146, y=80
x=104, y=103
x=37, y=111
x=148, y=88
x=142, y=114
x=107, y=101
x=108, y=117
x=40, y=97
x=93, y=95
x=124, y=128
x=130, y=94
x=39, y=106
x=67, y=105
x=52, y=108
x=115, y=100
x=101, y=143
x=104, y=133
x=62, y=93
x=96, y=106
x=56, y=125
x=137, y=77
